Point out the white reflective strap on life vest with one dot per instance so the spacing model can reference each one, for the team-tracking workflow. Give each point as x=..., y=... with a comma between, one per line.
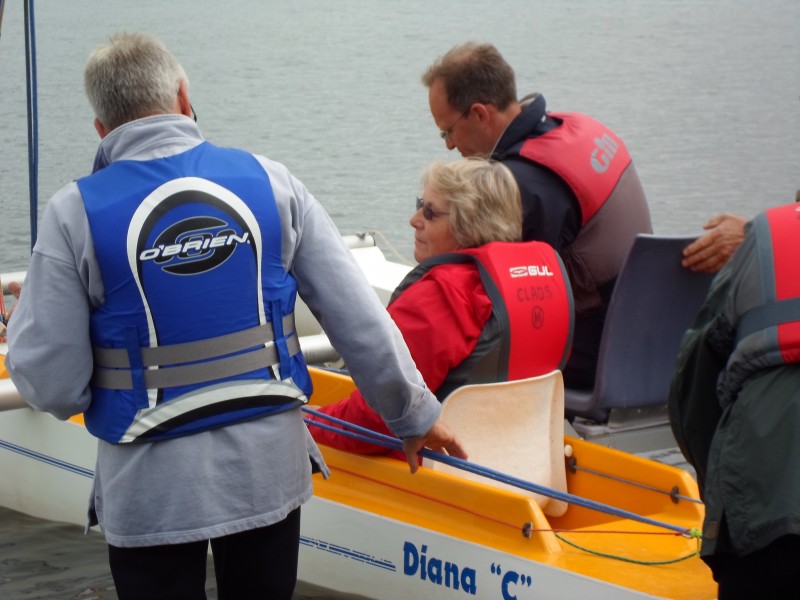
x=275, y=392
x=174, y=354
x=164, y=377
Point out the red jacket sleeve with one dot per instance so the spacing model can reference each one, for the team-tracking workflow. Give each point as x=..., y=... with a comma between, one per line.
x=353, y=410
x=441, y=317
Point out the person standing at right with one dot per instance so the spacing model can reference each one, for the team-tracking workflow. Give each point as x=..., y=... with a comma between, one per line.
x=734, y=407
x=580, y=191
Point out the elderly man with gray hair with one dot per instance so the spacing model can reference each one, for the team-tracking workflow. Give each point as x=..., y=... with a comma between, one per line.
x=180, y=262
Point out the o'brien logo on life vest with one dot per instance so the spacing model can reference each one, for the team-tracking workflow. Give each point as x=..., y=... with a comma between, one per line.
x=194, y=245
x=605, y=149
x=530, y=271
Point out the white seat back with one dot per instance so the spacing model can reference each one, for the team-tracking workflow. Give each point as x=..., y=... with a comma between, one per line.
x=515, y=427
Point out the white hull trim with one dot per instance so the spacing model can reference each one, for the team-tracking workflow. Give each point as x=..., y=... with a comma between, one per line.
x=47, y=468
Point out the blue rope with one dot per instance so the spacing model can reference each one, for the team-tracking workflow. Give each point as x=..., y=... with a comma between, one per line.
x=33, y=118
x=367, y=435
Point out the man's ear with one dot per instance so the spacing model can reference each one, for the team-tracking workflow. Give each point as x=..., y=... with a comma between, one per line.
x=184, y=104
x=100, y=128
x=482, y=111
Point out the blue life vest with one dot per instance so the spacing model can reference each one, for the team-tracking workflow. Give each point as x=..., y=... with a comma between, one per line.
x=197, y=327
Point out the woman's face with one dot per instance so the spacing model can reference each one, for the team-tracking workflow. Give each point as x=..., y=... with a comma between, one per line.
x=432, y=235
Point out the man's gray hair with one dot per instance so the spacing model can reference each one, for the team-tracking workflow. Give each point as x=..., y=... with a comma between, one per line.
x=131, y=77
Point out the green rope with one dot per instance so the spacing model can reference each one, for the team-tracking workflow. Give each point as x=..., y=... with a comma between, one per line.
x=694, y=533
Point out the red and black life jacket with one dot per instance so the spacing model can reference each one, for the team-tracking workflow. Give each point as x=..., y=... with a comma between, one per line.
x=530, y=330
x=777, y=320
x=596, y=165
x=586, y=154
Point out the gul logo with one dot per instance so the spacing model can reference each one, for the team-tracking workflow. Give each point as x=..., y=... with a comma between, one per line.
x=605, y=149
x=194, y=245
x=539, y=271
x=530, y=271
x=436, y=571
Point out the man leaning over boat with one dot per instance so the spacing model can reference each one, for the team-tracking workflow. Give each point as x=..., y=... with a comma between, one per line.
x=589, y=210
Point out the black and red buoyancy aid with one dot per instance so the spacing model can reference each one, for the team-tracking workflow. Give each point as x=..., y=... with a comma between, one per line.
x=596, y=165
x=530, y=330
x=592, y=164
x=778, y=318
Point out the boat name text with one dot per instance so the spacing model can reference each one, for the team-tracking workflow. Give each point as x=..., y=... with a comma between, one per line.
x=437, y=571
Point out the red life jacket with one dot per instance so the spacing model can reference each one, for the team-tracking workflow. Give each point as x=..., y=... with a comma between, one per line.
x=778, y=319
x=530, y=330
x=586, y=154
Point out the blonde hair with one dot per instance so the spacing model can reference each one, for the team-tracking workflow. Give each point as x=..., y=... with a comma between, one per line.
x=485, y=204
x=131, y=77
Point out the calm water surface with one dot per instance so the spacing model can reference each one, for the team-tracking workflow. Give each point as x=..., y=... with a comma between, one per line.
x=706, y=95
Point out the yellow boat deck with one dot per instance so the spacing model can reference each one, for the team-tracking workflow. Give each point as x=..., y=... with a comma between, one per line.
x=497, y=518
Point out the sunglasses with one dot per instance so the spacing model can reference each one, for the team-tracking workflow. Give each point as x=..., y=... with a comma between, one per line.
x=427, y=211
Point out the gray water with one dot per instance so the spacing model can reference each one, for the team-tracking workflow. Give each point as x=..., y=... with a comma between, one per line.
x=705, y=94
x=44, y=560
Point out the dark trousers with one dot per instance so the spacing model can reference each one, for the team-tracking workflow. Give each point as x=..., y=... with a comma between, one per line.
x=769, y=573
x=259, y=563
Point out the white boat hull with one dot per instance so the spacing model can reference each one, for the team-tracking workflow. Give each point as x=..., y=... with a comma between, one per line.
x=46, y=469
x=46, y=466
x=353, y=545
x=361, y=553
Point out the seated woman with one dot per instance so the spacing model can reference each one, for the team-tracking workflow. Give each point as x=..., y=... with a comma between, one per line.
x=477, y=308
